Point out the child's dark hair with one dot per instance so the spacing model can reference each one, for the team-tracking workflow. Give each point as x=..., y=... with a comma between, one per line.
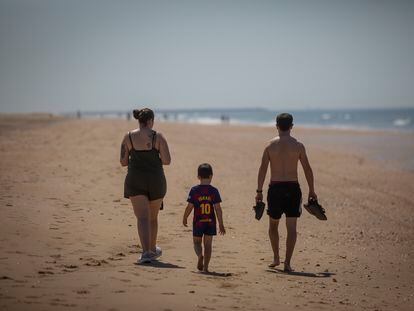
x=284, y=121
x=205, y=170
x=143, y=115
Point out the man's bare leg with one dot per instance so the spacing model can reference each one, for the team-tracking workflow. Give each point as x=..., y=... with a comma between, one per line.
x=290, y=241
x=274, y=240
x=199, y=251
x=208, y=245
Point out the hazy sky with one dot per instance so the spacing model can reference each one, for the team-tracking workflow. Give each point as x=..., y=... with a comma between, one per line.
x=64, y=55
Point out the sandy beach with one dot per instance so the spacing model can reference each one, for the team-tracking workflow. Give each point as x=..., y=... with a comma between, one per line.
x=68, y=238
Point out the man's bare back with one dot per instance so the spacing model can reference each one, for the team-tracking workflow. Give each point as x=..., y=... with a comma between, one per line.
x=284, y=153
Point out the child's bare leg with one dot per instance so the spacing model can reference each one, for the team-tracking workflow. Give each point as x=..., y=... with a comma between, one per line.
x=199, y=251
x=208, y=245
x=274, y=240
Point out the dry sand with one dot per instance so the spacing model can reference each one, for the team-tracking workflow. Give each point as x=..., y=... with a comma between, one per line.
x=68, y=238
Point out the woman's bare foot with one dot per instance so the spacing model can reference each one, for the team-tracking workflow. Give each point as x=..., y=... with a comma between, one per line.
x=275, y=263
x=205, y=270
x=200, y=265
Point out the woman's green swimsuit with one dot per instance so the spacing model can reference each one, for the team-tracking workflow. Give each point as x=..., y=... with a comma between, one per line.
x=145, y=173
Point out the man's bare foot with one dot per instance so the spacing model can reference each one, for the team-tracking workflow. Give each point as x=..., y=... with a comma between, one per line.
x=275, y=263
x=287, y=268
x=205, y=270
x=200, y=265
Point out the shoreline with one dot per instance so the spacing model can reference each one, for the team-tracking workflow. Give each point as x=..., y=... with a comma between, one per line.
x=367, y=143
x=309, y=126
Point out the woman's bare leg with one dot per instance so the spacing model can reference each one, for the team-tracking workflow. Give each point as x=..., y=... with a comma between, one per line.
x=140, y=204
x=153, y=222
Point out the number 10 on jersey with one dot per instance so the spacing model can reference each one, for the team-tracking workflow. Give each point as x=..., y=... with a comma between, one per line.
x=205, y=208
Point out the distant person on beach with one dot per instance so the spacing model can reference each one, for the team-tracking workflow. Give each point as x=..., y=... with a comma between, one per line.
x=205, y=200
x=145, y=152
x=284, y=194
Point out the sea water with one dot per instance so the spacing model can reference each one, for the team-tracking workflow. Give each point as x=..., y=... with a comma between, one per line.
x=400, y=119
x=379, y=119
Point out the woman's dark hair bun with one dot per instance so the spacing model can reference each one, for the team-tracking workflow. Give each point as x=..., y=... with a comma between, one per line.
x=135, y=112
x=143, y=115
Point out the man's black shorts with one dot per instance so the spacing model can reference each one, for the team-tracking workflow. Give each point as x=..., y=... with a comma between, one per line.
x=284, y=197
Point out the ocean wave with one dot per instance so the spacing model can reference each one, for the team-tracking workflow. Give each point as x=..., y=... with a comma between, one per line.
x=401, y=122
x=204, y=120
x=326, y=116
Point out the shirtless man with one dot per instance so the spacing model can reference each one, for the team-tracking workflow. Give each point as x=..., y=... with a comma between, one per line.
x=284, y=195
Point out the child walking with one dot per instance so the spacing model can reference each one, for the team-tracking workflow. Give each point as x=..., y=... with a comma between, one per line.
x=205, y=200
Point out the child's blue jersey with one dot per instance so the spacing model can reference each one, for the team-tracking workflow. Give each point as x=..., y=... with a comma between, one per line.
x=203, y=197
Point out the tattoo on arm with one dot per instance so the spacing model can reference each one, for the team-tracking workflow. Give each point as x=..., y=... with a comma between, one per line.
x=123, y=151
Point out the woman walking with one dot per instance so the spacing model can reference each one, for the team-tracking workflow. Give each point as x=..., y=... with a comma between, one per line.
x=145, y=152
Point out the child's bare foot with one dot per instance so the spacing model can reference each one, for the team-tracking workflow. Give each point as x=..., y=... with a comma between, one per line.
x=200, y=265
x=287, y=268
x=275, y=263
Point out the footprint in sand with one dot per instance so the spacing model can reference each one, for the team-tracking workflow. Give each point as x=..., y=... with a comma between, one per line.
x=118, y=256
x=134, y=249
x=228, y=285
x=70, y=268
x=93, y=262
x=42, y=272
x=5, y=277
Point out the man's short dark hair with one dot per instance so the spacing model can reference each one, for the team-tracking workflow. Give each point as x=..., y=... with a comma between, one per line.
x=205, y=170
x=284, y=121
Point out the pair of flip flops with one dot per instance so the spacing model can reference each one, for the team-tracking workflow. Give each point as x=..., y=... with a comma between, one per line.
x=315, y=209
x=259, y=209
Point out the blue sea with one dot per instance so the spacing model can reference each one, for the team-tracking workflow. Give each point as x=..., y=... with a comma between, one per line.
x=401, y=119
x=377, y=119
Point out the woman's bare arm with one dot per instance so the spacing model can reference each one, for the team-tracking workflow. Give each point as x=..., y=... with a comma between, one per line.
x=124, y=154
x=164, y=150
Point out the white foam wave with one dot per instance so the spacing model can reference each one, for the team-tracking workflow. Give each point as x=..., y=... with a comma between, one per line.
x=402, y=122
x=326, y=116
x=204, y=120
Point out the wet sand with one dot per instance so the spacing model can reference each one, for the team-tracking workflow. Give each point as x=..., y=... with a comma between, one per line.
x=68, y=238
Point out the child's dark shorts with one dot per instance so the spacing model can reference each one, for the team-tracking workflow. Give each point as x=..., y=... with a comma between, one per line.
x=284, y=197
x=200, y=228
